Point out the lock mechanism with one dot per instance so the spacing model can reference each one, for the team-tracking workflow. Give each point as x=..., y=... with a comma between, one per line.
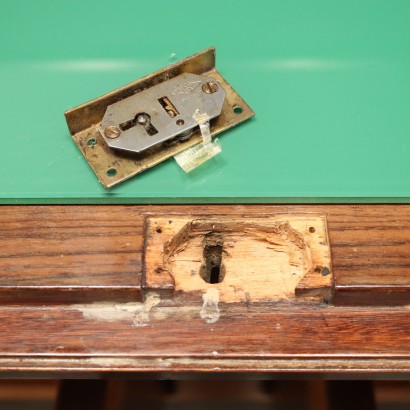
x=162, y=115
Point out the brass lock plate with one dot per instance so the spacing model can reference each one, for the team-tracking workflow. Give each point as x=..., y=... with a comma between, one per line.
x=88, y=123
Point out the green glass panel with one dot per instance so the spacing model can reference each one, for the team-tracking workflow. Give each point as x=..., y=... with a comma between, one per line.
x=329, y=82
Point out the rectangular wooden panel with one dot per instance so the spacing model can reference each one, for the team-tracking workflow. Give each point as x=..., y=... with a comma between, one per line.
x=87, y=261
x=174, y=338
x=67, y=254
x=91, y=253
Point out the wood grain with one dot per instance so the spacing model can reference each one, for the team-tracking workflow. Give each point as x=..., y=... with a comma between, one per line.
x=260, y=338
x=87, y=260
x=94, y=253
x=261, y=258
x=57, y=254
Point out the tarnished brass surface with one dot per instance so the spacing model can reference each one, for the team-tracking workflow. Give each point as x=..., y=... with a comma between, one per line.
x=113, y=166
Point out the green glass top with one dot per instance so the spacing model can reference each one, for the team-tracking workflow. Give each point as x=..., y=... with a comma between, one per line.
x=329, y=82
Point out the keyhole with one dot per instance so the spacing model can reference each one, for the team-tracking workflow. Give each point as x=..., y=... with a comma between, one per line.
x=212, y=270
x=215, y=273
x=142, y=119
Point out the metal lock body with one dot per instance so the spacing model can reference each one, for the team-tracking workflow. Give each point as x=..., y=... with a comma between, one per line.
x=161, y=113
x=143, y=123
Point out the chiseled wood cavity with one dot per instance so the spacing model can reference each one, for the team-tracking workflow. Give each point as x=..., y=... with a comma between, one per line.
x=245, y=259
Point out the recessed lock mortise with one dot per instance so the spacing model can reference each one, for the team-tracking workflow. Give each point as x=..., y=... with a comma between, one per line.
x=244, y=259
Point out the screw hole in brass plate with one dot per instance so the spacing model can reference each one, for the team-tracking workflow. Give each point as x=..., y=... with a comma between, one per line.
x=111, y=172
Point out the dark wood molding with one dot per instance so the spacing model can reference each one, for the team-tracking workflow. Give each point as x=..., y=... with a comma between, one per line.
x=70, y=300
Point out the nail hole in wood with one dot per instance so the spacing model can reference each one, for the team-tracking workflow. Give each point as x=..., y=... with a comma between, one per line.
x=325, y=271
x=312, y=229
x=158, y=229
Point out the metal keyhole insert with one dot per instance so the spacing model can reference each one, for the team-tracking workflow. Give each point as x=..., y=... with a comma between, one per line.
x=143, y=119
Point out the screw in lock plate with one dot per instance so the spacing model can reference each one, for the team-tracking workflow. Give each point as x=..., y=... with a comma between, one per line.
x=210, y=87
x=112, y=132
